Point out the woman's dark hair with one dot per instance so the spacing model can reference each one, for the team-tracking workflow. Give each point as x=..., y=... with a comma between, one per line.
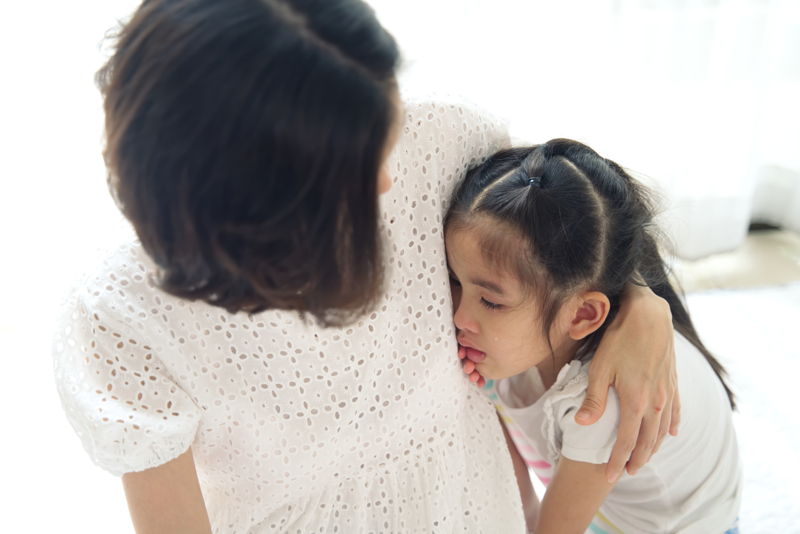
x=584, y=222
x=244, y=140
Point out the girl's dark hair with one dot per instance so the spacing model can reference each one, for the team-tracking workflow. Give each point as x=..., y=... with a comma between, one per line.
x=585, y=222
x=244, y=140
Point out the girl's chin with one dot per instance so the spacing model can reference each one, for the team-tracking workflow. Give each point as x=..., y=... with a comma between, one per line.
x=493, y=372
x=489, y=372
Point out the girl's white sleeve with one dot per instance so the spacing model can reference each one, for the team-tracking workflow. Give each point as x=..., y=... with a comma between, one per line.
x=592, y=443
x=116, y=392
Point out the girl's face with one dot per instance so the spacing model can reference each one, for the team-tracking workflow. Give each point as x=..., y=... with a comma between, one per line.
x=493, y=313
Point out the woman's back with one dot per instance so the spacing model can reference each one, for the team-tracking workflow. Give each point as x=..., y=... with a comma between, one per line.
x=369, y=427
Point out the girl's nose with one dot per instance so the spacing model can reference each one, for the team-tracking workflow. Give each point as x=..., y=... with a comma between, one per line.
x=463, y=320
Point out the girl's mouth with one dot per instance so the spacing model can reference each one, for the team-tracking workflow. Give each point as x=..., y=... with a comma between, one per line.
x=471, y=353
x=466, y=344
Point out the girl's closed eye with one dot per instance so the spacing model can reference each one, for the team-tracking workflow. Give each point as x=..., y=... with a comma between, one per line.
x=490, y=305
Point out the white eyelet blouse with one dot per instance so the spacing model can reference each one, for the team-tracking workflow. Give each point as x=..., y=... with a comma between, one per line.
x=295, y=428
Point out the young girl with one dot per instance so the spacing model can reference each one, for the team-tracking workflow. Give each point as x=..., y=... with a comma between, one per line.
x=541, y=243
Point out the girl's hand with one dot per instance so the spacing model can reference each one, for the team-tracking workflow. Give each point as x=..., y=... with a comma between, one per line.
x=636, y=356
x=469, y=357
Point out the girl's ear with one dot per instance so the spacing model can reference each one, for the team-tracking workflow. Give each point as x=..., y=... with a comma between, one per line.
x=590, y=314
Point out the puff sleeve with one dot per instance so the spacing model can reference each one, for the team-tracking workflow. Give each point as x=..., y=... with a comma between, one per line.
x=118, y=395
x=592, y=443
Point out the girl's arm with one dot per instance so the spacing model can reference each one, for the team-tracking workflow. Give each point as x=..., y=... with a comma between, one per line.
x=573, y=497
x=167, y=499
x=530, y=501
x=636, y=356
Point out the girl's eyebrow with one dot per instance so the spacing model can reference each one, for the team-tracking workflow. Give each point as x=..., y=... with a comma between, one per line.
x=491, y=286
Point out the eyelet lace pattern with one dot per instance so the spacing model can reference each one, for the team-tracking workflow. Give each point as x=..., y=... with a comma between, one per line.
x=366, y=428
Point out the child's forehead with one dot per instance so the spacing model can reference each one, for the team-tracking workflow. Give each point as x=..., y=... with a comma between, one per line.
x=475, y=248
x=496, y=247
x=497, y=241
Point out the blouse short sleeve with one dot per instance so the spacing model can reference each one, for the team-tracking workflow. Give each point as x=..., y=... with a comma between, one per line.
x=592, y=443
x=117, y=394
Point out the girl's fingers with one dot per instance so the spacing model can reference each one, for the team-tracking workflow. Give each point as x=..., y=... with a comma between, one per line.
x=469, y=357
x=475, y=355
x=469, y=366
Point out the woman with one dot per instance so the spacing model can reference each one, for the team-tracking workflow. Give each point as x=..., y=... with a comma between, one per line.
x=275, y=352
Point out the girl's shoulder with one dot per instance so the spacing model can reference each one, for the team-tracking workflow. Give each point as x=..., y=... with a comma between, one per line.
x=593, y=443
x=546, y=416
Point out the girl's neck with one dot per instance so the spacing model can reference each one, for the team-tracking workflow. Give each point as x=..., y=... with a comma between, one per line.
x=550, y=367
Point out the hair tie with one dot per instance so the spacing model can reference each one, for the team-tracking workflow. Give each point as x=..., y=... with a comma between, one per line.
x=535, y=180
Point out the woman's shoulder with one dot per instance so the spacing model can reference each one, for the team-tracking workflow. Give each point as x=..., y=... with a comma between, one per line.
x=127, y=260
x=117, y=267
x=453, y=125
x=113, y=367
x=442, y=138
x=449, y=111
x=120, y=288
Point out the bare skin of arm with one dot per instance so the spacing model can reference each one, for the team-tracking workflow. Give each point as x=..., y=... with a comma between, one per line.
x=530, y=501
x=167, y=499
x=573, y=497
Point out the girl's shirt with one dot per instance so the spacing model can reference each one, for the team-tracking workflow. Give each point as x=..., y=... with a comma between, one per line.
x=294, y=428
x=691, y=485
